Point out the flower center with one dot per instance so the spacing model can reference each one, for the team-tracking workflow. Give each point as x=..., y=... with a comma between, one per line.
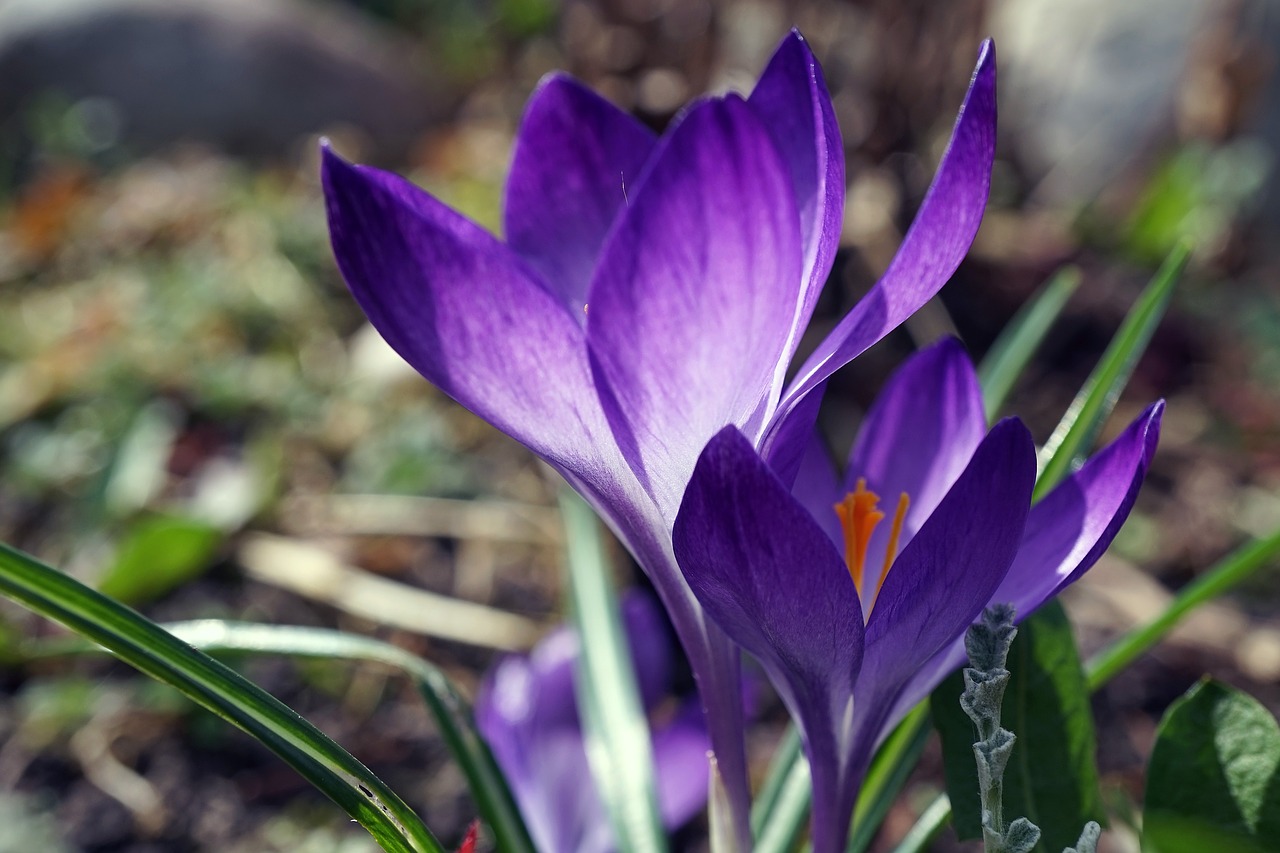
x=858, y=519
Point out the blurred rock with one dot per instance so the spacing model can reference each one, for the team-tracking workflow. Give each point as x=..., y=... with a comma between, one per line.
x=1087, y=84
x=247, y=76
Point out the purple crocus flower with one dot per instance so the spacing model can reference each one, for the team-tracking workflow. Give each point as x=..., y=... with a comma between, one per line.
x=857, y=617
x=527, y=710
x=650, y=292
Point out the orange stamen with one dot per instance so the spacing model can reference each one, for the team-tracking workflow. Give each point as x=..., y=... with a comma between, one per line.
x=891, y=550
x=858, y=518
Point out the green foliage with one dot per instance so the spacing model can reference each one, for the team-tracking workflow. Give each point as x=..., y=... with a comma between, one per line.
x=158, y=653
x=617, y=731
x=1214, y=778
x=1052, y=778
x=159, y=554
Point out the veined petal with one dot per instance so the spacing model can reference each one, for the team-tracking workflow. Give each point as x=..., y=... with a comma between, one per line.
x=771, y=578
x=792, y=100
x=575, y=157
x=767, y=573
x=949, y=571
x=937, y=241
x=818, y=488
x=463, y=310
x=1066, y=533
x=692, y=300
x=919, y=435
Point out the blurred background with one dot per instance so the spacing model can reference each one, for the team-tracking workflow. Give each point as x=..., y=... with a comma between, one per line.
x=195, y=418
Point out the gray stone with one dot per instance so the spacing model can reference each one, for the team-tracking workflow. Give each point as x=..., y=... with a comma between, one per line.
x=248, y=76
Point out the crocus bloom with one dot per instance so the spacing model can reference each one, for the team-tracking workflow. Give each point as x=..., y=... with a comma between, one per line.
x=528, y=712
x=650, y=292
x=857, y=612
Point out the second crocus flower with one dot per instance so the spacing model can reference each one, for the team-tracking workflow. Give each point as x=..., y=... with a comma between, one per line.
x=855, y=591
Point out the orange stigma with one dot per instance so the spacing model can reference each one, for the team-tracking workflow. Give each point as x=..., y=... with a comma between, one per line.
x=858, y=519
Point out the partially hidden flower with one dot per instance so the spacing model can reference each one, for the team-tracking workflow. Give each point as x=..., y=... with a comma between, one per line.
x=652, y=290
x=856, y=610
x=527, y=711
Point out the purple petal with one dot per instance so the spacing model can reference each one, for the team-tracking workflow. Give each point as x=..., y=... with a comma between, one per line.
x=693, y=296
x=575, y=156
x=460, y=307
x=948, y=572
x=1066, y=534
x=818, y=488
x=650, y=646
x=792, y=100
x=767, y=573
x=919, y=435
x=943, y=229
x=680, y=750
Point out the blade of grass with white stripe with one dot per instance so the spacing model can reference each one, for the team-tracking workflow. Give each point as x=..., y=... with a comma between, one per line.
x=1019, y=340
x=617, y=732
x=452, y=714
x=149, y=648
x=1079, y=427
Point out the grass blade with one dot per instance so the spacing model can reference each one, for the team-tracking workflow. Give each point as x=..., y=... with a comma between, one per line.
x=149, y=648
x=452, y=714
x=889, y=771
x=1079, y=427
x=617, y=731
x=1019, y=340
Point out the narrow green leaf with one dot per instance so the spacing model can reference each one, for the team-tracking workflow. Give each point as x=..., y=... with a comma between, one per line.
x=782, y=820
x=149, y=648
x=1052, y=779
x=1227, y=573
x=159, y=554
x=788, y=754
x=1019, y=340
x=452, y=714
x=1079, y=427
x=618, y=741
x=889, y=771
x=1214, y=778
x=927, y=827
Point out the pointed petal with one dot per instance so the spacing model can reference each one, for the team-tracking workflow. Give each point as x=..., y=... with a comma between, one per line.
x=680, y=761
x=919, y=435
x=458, y=306
x=948, y=572
x=943, y=229
x=792, y=100
x=575, y=156
x=693, y=297
x=767, y=573
x=1066, y=534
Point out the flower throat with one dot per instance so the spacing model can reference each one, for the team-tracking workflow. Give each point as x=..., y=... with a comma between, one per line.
x=858, y=519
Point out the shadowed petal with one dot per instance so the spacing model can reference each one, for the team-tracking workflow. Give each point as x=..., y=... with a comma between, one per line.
x=948, y=572
x=575, y=156
x=1066, y=534
x=792, y=100
x=458, y=306
x=767, y=573
x=818, y=488
x=943, y=229
x=919, y=435
x=694, y=293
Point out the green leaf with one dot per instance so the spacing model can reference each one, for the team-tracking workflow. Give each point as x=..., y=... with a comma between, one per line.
x=1214, y=778
x=1052, y=778
x=618, y=742
x=1079, y=427
x=889, y=770
x=1019, y=340
x=452, y=714
x=780, y=814
x=149, y=648
x=159, y=554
